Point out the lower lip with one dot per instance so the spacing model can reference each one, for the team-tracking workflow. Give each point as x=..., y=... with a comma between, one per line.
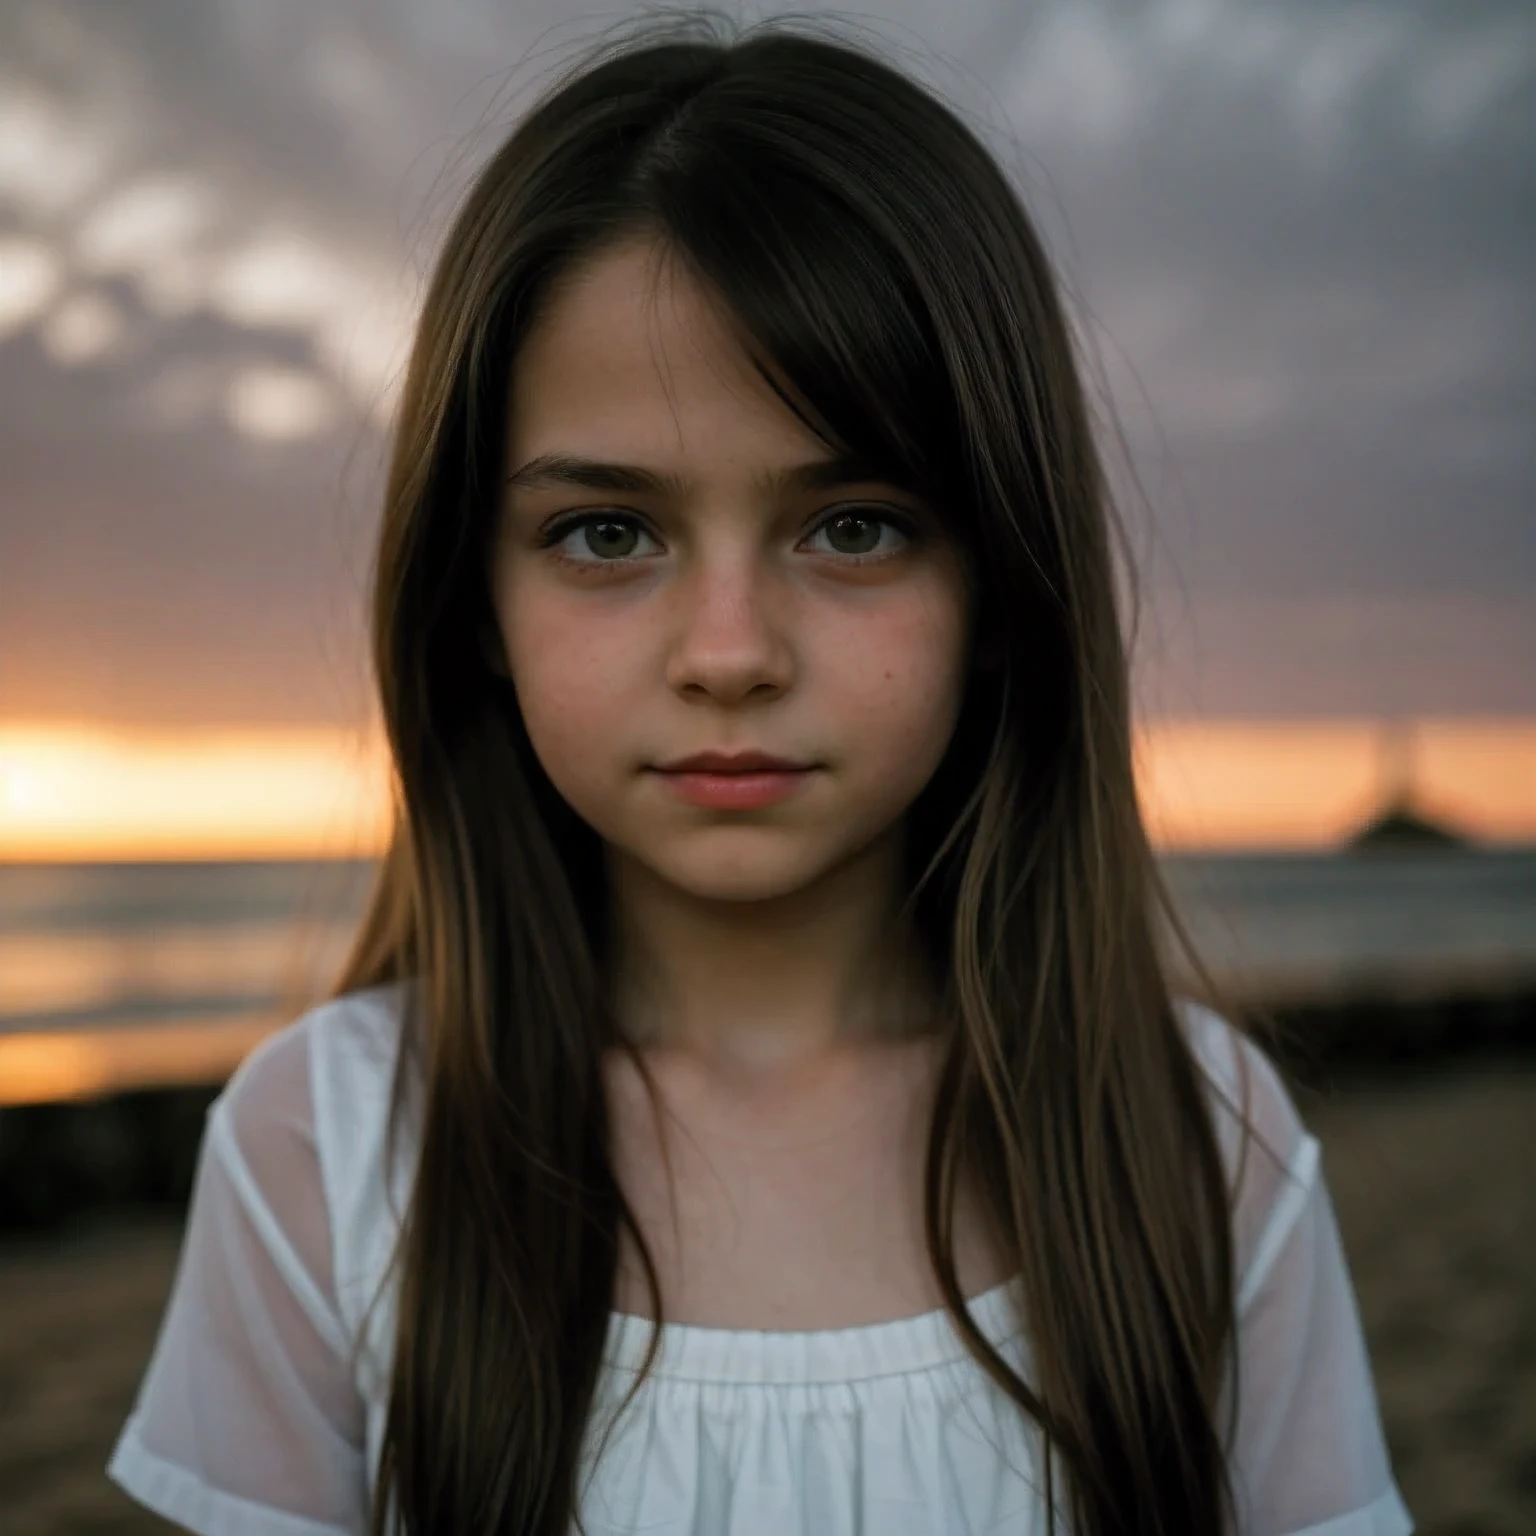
x=736, y=791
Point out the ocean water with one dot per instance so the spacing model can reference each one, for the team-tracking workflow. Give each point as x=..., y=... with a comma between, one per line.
x=192, y=962
x=1300, y=926
x=94, y=945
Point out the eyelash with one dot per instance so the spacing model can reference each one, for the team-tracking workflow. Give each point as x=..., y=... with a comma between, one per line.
x=560, y=531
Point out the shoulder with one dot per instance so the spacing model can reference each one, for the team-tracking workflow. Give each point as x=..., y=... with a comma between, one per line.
x=289, y=1082
x=1270, y=1157
x=306, y=1120
x=1246, y=1087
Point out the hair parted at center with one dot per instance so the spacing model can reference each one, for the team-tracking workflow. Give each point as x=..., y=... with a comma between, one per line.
x=890, y=286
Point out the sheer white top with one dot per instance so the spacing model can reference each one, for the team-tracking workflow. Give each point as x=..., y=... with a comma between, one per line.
x=258, y=1417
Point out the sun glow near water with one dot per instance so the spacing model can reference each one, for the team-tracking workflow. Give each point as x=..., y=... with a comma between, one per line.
x=74, y=793
x=84, y=793
x=199, y=952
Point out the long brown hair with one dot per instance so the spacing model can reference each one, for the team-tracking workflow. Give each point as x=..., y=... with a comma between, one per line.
x=878, y=259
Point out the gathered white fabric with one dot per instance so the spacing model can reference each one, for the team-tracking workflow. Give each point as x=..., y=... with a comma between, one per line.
x=263, y=1405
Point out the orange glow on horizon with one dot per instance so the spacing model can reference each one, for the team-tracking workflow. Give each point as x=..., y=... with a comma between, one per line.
x=80, y=792
x=89, y=793
x=1273, y=784
x=70, y=1065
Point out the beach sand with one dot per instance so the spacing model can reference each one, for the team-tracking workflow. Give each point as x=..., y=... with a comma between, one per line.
x=1434, y=1179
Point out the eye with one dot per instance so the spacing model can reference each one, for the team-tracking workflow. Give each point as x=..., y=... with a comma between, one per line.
x=859, y=534
x=600, y=538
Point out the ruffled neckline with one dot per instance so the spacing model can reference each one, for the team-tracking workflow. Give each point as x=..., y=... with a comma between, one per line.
x=924, y=1342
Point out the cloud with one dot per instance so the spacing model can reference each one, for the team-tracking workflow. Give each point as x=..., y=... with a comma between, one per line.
x=287, y=280
x=1079, y=80
x=30, y=275
x=154, y=232
x=205, y=192
x=48, y=163
x=1298, y=234
x=1455, y=88
x=83, y=329
x=279, y=404
x=1339, y=654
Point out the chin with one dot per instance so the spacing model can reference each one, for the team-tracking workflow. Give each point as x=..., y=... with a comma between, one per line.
x=738, y=875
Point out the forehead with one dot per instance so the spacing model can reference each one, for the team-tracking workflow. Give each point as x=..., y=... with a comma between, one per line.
x=632, y=354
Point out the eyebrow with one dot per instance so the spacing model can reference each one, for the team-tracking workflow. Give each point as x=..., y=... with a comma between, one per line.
x=564, y=469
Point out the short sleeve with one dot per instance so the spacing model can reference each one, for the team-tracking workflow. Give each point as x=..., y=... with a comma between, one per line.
x=1307, y=1457
x=248, y=1421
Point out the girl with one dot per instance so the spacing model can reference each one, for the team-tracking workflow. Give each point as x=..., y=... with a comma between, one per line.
x=769, y=946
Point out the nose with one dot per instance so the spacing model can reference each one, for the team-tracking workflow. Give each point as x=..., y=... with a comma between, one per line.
x=729, y=641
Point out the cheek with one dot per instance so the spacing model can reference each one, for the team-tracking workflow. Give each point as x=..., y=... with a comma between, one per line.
x=571, y=687
x=898, y=677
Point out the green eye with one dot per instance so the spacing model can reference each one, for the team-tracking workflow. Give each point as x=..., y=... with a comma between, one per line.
x=598, y=539
x=858, y=536
x=853, y=535
x=863, y=535
x=610, y=540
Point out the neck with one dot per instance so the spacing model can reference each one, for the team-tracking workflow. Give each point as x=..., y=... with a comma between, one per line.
x=776, y=985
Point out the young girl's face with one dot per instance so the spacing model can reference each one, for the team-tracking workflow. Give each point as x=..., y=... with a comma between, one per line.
x=719, y=584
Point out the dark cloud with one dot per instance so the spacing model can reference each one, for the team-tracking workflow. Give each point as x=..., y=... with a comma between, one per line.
x=1300, y=237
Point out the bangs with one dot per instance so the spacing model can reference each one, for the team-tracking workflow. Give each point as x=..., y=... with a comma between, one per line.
x=831, y=314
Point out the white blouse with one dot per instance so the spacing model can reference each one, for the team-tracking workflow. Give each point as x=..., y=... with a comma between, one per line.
x=258, y=1417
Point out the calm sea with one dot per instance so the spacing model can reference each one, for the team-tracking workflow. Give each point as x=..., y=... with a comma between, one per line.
x=92, y=947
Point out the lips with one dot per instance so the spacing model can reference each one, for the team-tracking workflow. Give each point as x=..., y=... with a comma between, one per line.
x=733, y=762
x=728, y=782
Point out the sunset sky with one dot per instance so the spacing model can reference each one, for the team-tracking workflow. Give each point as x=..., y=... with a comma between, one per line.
x=1300, y=241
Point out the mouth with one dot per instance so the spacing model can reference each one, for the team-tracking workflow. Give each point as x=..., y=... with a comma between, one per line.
x=733, y=763
x=742, y=781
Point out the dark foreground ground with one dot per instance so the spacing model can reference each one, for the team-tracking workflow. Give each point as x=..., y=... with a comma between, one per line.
x=1433, y=1173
